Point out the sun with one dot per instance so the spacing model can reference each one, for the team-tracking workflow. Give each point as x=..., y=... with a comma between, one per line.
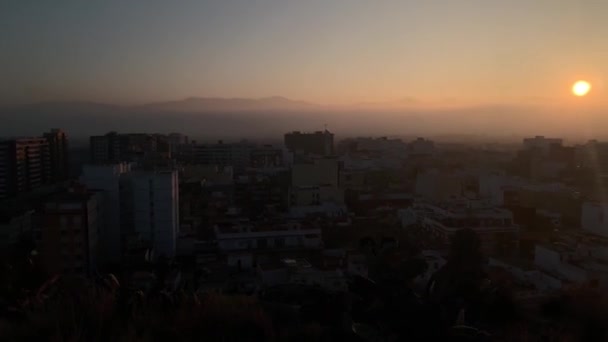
x=581, y=88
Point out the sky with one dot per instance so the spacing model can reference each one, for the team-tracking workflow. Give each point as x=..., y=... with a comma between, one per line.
x=323, y=51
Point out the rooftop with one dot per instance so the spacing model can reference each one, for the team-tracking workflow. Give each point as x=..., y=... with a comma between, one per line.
x=464, y=210
x=248, y=227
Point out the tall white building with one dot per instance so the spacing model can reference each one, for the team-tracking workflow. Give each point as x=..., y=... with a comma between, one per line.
x=421, y=147
x=141, y=202
x=316, y=182
x=594, y=218
x=541, y=144
x=155, y=208
x=107, y=178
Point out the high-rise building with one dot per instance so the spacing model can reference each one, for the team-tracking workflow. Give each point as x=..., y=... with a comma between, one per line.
x=236, y=155
x=318, y=143
x=67, y=229
x=105, y=148
x=142, y=204
x=107, y=178
x=154, y=196
x=114, y=148
x=177, y=140
x=24, y=165
x=58, y=150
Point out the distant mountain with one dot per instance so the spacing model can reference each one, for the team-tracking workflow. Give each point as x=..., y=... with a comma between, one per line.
x=215, y=104
x=216, y=118
x=213, y=117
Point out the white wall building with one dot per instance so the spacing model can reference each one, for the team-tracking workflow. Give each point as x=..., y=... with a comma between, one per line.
x=421, y=147
x=247, y=237
x=156, y=208
x=541, y=144
x=107, y=179
x=594, y=218
x=316, y=183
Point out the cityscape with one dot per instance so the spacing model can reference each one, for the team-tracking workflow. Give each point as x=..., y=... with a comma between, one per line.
x=320, y=229
x=284, y=170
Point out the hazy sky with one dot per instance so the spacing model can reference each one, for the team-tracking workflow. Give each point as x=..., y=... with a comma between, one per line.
x=327, y=51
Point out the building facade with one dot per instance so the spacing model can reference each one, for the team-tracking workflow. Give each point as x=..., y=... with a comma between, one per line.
x=24, y=165
x=278, y=237
x=266, y=156
x=316, y=182
x=541, y=144
x=155, y=208
x=114, y=147
x=107, y=178
x=14, y=226
x=594, y=218
x=58, y=154
x=317, y=143
x=237, y=155
x=67, y=231
x=494, y=226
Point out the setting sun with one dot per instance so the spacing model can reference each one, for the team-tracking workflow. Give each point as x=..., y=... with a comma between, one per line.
x=581, y=88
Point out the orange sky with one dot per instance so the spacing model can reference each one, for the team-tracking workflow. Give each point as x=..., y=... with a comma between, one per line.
x=431, y=52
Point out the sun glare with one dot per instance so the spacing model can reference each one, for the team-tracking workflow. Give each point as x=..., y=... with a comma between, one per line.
x=581, y=88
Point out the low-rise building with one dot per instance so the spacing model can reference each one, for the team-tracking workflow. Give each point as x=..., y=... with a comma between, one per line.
x=559, y=259
x=528, y=275
x=302, y=272
x=495, y=226
x=261, y=237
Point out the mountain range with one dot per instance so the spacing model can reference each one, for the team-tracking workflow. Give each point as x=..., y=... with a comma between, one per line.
x=272, y=116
